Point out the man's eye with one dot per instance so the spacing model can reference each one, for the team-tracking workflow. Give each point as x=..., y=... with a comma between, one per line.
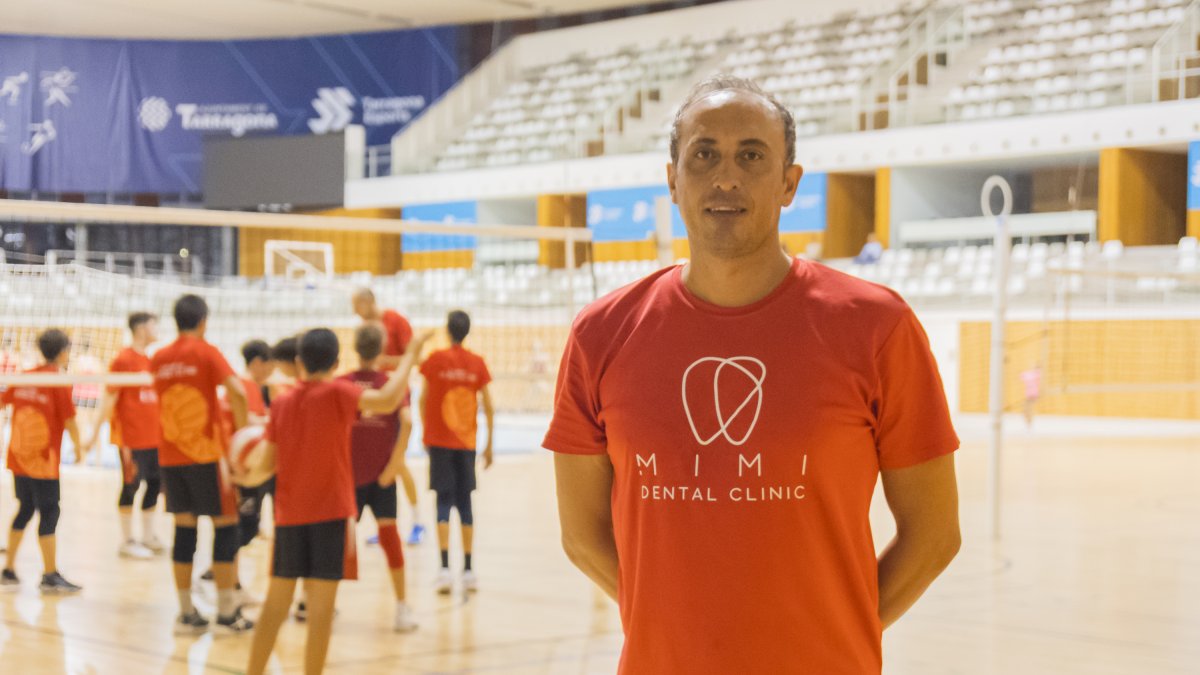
x=704, y=154
x=753, y=155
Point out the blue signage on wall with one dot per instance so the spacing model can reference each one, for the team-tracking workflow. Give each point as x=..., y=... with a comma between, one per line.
x=806, y=213
x=128, y=115
x=628, y=214
x=1193, y=201
x=453, y=212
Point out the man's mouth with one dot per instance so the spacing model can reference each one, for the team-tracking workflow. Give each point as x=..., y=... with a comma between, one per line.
x=725, y=210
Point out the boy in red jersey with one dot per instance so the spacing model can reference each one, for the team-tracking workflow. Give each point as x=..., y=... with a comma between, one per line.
x=308, y=443
x=376, y=456
x=187, y=374
x=40, y=414
x=455, y=379
x=135, y=430
x=397, y=332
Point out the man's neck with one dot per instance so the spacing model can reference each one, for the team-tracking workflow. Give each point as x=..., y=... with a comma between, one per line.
x=323, y=376
x=368, y=365
x=139, y=346
x=736, y=282
x=192, y=334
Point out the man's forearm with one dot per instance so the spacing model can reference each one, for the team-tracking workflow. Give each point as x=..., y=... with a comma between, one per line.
x=596, y=558
x=906, y=569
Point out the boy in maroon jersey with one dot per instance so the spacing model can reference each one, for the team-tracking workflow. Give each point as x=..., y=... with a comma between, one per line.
x=376, y=457
x=308, y=444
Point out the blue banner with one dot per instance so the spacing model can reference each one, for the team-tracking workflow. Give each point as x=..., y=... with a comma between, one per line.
x=453, y=212
x=1193, y=199
x=128, y=115
x=627, y=214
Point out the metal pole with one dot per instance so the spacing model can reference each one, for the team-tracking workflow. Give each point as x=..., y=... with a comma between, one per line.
x=1000, y=310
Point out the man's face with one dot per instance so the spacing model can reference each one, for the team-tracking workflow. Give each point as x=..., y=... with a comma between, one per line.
x=289, y=370
x=730, y=181
x=149, y=331
x=364, y=307
x=64, y=358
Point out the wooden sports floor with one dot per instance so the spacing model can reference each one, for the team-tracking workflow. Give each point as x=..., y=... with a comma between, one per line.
x=1097, y=573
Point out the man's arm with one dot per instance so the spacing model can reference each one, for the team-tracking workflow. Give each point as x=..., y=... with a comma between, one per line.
x=585, y=514
x=924, y=501
x=489, y=414
x=237, y=401
x=73, y=430
x=107, y=405
x=388, y=397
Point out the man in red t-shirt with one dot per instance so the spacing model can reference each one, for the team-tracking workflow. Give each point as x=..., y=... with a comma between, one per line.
x=398, y=332
x=719, y=428
x=187, y=374
x=376, y=457
x=308, y=444
x=455, y=380
x=39, y=416
x=135, y=429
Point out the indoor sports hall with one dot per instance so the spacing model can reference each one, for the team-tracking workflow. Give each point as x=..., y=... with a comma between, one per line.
x=1023, y=174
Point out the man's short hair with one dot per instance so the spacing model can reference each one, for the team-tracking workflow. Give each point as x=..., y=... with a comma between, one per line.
x=368, y=342
x=138, y=318
x=364, y=292
x=731, y=83
x=52, y=343
x=256, y=349
x=319, y=350
x=286, y=350
x=190, y=311
x=458, y=324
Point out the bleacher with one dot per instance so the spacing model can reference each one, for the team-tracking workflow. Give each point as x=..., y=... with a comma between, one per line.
x=1032, y=57
x=1054, y=57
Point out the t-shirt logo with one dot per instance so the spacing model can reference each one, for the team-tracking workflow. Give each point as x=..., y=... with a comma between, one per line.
x=725, y=393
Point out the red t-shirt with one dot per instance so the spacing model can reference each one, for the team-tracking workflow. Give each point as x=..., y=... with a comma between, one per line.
x=398, y=331
x=38, y=417
x=746, y=444
x=136, y=418
x=373, y=437
x=187, y=373
x=255, y=405
x=310, y=426
x=453, y=378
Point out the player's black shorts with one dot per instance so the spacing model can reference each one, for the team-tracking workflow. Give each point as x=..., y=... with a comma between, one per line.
x=382, y=500
x=451, y=470
x=41, y=493
x=143, y=467
x=198, y=489
x=314, y=551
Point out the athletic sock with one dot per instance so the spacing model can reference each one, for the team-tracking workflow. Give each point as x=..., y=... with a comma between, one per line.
x=226, y=602
x=445, y=559
x=416, y=513
x=148, y=525
x=185, y=601
x=126, y=527
x=466, y=562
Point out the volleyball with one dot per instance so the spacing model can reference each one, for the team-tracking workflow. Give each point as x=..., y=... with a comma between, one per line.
x=246, y=452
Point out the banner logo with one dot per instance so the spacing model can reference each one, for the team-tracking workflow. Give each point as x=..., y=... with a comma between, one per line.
x=154, y=113
x=11, y=88
x=743, y=370
x=58, y=85
x=334, y=106
x=43, y=133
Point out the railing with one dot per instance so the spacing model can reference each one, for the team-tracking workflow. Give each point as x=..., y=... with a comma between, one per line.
x=1169, y=59
x=937, y=30
x=116, y=262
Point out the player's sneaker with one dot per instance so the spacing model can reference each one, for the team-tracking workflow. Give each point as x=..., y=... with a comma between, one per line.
x=404, y=619
x=55, y=584
x=191, y=624
x=9, y=580
x=444, y=582
x=301, y=613
x=234, y=625
x=135, y=551
x=469, y=582
x=154, y=545
x=373, y=540
x=416, y=536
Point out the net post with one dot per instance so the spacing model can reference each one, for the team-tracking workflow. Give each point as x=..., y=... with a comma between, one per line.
x=1000, y=251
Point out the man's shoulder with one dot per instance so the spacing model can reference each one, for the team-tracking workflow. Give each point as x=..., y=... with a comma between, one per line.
x=840, y=292
x=607, y=313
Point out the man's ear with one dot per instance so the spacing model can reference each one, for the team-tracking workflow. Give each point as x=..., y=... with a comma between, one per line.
x=671, y=180
x=791, y=181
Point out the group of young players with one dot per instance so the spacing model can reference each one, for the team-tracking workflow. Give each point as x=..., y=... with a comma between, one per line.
x=334, y=445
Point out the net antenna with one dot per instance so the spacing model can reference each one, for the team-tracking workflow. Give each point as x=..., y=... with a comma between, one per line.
x=299, y=260
x=1002, y=252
